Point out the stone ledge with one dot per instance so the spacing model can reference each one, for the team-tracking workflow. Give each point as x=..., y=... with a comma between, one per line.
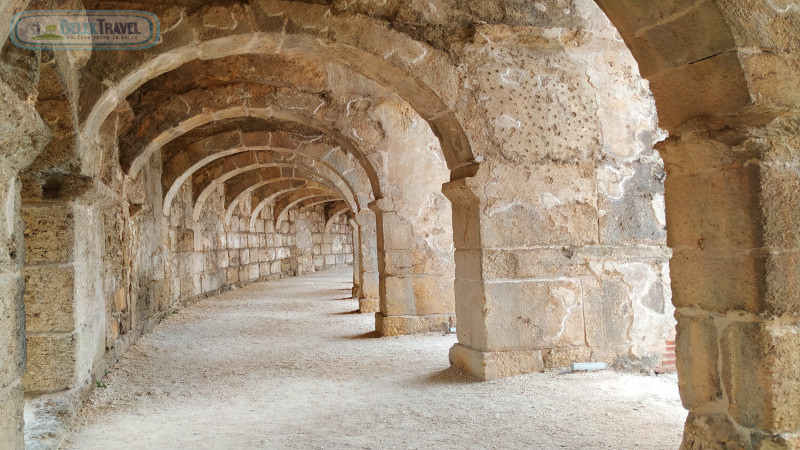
x=399, y=325
x=493, y=365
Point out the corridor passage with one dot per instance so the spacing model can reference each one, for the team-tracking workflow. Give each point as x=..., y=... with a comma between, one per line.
x=288, y=364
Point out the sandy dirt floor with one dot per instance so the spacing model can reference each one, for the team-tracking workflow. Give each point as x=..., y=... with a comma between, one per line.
x=288, y=364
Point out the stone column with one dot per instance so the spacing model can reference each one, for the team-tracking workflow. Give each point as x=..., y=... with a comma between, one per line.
x=368, y=266
x=12, y=318
x=733, y=214
x=545, y=283
x=66, y=310
x=22, y=141
x=411, y=300
x=357, y=275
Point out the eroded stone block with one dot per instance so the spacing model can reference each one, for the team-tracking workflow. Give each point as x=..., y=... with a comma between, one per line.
x=49, y=233
x=52, y=362
x=697, y=356
x=50, y=299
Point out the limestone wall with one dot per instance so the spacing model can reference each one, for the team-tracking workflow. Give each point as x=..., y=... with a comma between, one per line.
x=23, y=135
x=208, y=255
x=572, y=233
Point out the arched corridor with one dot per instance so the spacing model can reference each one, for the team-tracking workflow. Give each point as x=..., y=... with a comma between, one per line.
x=562, y=181
x=287, y=364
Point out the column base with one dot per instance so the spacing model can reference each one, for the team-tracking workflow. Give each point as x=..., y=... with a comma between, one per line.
x=493, y=365
x=368, y=305
x=398, y=325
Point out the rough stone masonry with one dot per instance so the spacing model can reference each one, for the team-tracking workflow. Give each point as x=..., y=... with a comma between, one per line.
x=486, y=164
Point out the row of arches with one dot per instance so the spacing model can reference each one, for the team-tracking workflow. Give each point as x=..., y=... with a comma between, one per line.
x=550, y=245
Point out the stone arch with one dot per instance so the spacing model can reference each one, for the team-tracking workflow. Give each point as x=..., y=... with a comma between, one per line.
x=743, y=113
x=725, y=77
x=261, y=172
x=421, y=97
x=210, y=150
x=265, y=194
x=300, y=199
x=334, y=212
x=257, y=139
x=296, y=182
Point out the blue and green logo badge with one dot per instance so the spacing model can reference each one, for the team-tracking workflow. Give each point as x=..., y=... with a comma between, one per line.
x=100, y=30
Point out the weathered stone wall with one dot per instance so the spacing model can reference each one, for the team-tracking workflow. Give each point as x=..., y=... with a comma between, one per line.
x=535, y=112
x=569, y=260
x=734, y=279
x=209, y=255
x=23, y=134
x=101, y=273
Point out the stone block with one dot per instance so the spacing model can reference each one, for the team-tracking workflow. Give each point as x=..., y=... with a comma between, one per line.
x=187, y=287
x=233, y=258
x=712, y=431
x=561, y=207
x=692, y=36
x=634, y=212
x=11, y=422
x=12, y=329
x=398, y=298
x=534, y=315
x=562, y=357
x=400, y=325
x=209, y=282
x=184, y=240
x=718, y=281
x=368, y=305
x=209, y=261
x=494, y=365
x=50, y=299
x=52, y=362
x=684, y=92
x=162, y=294
x=49, y=233
x=222, y=259
x=783, y=283
x=233, y=275
x=370, y=284
x=398, y=232
x=715, y=210
x=433, y=295
x=522, y=263
x=253, y=271
x=760, y=364
x=697, y=354
x=398, y=262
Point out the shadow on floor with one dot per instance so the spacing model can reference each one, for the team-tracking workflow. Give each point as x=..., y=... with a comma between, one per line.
x=370, y=335
x=345, y=313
